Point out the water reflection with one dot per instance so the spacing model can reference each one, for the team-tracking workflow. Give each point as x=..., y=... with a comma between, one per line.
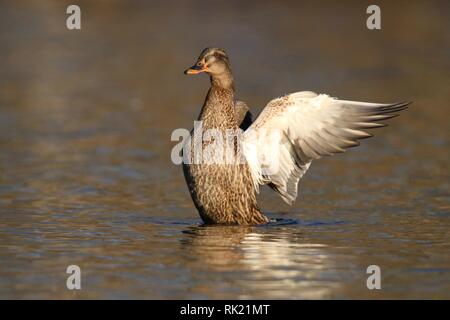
x=85, y=170
x=269, y=262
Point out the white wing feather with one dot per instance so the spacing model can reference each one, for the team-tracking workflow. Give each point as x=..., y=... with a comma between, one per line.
x=295, y=129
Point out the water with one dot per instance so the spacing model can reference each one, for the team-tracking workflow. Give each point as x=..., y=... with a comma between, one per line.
x=86, y=176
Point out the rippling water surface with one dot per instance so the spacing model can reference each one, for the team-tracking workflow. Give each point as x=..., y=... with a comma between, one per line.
x=86, y=176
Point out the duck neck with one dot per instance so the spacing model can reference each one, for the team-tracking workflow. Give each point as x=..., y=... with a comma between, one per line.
x=218, y=109
x=224, y=80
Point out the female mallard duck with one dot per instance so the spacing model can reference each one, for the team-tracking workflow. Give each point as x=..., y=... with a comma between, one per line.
x=277, y=147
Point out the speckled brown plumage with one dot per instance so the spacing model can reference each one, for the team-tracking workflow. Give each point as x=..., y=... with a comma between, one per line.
x=222, y=193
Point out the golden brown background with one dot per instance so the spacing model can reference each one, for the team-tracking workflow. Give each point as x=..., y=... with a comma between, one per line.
x=85, y=170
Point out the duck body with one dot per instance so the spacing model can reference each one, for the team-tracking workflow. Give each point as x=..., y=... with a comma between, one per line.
x=223, y=193
x=275, y=150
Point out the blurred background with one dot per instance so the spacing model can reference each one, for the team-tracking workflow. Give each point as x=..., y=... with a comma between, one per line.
x=85, y=171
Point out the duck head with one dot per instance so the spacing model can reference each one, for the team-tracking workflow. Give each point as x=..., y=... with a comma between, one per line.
x=215, y=62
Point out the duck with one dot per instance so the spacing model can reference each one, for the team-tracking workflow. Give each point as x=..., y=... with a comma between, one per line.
x=276, y=149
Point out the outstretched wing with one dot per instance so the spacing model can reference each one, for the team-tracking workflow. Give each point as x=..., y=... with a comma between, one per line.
x=295, y=129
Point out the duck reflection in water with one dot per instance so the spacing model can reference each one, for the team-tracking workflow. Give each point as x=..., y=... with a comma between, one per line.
x=269, y=262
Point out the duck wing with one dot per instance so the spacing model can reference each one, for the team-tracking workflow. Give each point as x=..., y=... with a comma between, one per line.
x=243, y=115
x=298, y=128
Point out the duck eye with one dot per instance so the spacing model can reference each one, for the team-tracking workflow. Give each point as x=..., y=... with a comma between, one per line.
x=199, y=63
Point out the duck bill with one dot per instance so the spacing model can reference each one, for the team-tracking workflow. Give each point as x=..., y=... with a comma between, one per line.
x=195, y=70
